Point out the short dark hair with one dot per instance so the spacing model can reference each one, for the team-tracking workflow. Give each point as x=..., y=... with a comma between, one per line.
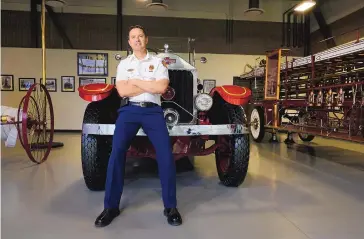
x=139, y=27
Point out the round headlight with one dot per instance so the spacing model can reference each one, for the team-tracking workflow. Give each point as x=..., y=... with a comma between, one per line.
x=169, y=94
x=203, y=102
x=171, y=116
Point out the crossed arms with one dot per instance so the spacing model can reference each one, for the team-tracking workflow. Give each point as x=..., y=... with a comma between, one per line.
x=134, y=87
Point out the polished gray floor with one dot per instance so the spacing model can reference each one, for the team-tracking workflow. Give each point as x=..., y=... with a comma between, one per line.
x=301, y=191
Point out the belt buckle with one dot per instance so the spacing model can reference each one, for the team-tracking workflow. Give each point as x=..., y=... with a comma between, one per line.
x=143, y=104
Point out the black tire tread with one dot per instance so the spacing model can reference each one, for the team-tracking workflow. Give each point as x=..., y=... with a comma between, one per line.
x=95, y=152
x=240, y=146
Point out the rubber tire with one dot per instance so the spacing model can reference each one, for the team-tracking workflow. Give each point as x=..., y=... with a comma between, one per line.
x=308, y=139
x=95, y=151
x=261, y=123
x=240, y=147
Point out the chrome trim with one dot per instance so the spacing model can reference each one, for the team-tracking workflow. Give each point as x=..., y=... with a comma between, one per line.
x=179, y=130
x=201, y=94
x=174, y=112
x=193, y=116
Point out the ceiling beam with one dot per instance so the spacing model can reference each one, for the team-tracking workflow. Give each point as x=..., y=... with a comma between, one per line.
x=119, y=28
x=34, y=24
x=324, y=27
x=53, y=16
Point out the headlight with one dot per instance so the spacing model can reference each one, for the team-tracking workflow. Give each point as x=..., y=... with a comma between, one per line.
x=169, y=94
x=203, y=102
x=171, y=116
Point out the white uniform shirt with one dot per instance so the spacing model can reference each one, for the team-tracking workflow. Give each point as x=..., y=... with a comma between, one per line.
x=150, y=68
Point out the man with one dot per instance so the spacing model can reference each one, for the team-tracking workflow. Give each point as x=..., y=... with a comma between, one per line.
x=142, y=78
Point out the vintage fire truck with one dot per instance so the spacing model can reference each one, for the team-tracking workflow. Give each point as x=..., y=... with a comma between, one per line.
x=317, y=95
x=192, y=116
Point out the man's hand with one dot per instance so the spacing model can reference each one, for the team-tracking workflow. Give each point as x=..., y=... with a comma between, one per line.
x=126, y=89
x=7, y=119
x=154, y=87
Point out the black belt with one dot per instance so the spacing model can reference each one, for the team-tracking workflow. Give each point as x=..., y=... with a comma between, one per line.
x=143, y=104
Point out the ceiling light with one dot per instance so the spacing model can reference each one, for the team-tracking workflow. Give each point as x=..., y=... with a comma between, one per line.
x=305, y=5
x=55, y=3
x=157, y=5
x=254, y=9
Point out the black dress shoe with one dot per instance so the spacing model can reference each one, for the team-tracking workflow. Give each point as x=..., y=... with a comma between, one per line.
x=173, y=216
x=106, y=217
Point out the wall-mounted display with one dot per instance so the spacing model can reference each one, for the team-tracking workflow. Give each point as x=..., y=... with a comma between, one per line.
x=7, y=83
x=92, y=64
x=90, y=80
x=50, y=84
x=26, y=83
x=68, y=84
x=208, y=85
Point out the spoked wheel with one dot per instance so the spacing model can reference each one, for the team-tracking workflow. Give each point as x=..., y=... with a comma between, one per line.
x=257, y=124
x=37, y=123
x=306, y=137
x=354, y=120
x=20, y=113
x=302, y=121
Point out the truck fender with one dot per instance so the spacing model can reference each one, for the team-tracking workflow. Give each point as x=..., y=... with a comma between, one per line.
x=233, y=94
x=95, y=92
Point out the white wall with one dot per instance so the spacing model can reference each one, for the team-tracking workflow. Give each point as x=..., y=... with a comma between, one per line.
x=207, y=9
x=69, y=107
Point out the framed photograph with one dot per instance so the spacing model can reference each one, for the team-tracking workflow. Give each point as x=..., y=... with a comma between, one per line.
x=90, y=80
x=7, y=83
x=50, y=84
x=113, y=80
x=68, y=84
x=26, y=83
x=208, y=85
x=92, y=64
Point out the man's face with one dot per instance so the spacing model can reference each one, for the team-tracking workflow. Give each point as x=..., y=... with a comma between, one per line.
x=137, y=40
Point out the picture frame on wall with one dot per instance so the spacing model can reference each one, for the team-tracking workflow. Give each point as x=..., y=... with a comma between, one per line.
x=7, y=83
x=50, y=84
x=68, y=84
x=91, y=80
x=208, y=85
x=92, y=64
x=26, y=83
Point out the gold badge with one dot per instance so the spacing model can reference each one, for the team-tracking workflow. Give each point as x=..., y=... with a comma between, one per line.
x=151, y=68
x=164, y=63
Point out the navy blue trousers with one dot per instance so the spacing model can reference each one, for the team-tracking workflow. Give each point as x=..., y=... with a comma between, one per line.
x=129, y=121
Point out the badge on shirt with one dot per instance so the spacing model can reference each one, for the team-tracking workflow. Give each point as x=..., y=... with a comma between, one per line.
x=165, y=64
x=130, y=70
x=151, y=68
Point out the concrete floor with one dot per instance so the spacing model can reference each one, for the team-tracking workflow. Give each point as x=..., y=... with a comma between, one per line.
x=291, y=192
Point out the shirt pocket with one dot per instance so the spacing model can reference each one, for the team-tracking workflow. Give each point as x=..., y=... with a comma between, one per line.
x=133, y=73
x=149, y=72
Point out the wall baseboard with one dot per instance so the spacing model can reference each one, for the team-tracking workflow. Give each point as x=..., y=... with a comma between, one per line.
x=67, y=131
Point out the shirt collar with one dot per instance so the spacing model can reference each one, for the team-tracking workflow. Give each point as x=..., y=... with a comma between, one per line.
x=147, y=57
